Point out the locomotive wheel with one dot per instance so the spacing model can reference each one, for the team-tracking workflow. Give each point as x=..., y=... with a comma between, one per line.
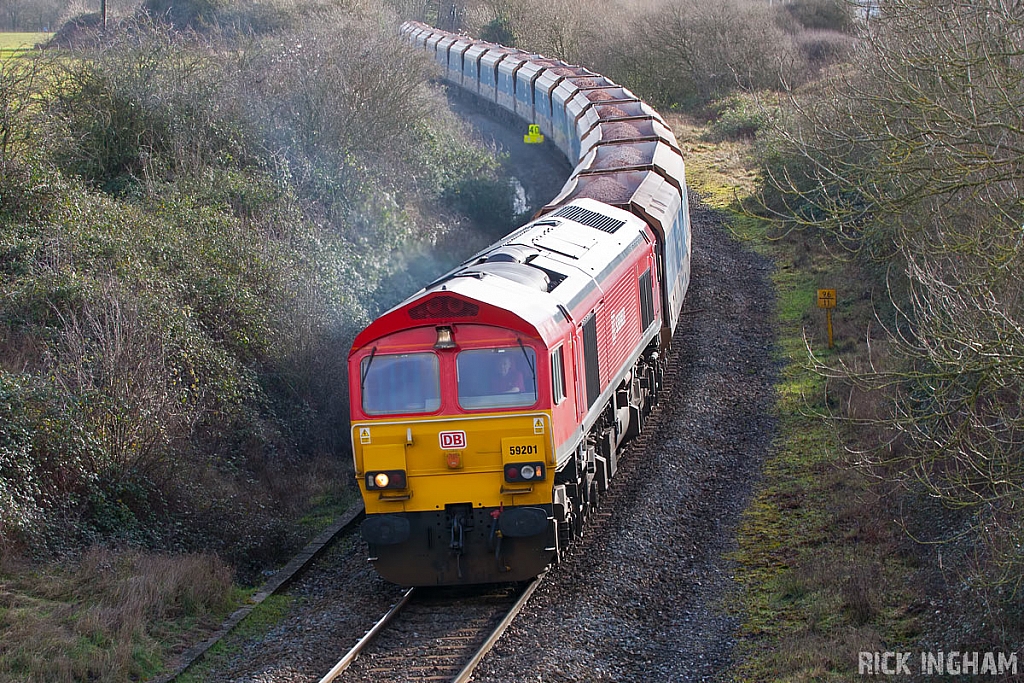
x=579, y=519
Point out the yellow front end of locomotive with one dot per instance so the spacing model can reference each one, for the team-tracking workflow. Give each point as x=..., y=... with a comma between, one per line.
x=422, y=465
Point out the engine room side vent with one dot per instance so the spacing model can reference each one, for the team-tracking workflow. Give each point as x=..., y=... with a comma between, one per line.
x=646, y=300
x=592, y=367
x=444, y=307
x=591, y=218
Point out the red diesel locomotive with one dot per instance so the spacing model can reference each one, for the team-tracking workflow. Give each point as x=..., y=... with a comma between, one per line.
x=487, y=409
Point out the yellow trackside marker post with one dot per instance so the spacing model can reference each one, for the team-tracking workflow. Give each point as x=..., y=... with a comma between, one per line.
x=533, y=137
x=827, y=300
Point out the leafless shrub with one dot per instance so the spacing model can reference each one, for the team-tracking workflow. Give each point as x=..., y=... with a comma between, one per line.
x=824, y=48
x=342, y=88
x=143, y=107
x=707, y=48
x=683, y=52
x=138, y=401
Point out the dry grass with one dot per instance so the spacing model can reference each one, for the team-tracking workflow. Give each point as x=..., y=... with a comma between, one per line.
x=110, y=616
x=721, y=172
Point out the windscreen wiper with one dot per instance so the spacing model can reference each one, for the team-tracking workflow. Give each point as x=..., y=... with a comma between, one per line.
x=533, y=370
x=365, y=372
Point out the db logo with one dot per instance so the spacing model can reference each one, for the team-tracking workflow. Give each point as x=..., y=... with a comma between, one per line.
x=452, y=440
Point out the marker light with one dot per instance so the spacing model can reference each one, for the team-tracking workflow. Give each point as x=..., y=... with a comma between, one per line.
x=529, y=471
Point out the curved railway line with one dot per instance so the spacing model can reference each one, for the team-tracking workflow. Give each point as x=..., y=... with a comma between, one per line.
x=641, y=597
x=638, y=599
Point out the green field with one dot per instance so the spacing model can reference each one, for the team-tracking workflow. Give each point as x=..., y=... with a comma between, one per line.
x=13, y=43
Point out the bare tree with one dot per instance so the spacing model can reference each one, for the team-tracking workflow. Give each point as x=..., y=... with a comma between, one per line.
x=915, y=157
x=694, y=51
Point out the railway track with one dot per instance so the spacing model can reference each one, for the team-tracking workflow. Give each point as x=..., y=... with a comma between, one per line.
x=433, y=634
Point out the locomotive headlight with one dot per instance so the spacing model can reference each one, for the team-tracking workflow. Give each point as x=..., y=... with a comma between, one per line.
x=526, y=472
x=389, y=479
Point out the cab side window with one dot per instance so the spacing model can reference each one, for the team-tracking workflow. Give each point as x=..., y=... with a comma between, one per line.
x=557, y=376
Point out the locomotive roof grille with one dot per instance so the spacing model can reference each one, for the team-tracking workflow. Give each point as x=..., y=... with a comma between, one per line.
x=591, y=218
x=444, y=307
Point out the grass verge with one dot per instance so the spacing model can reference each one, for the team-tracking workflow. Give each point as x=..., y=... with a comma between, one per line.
x=13, y=44
x=110, y=616
x=252, y=629
x=121, y=614
x=823, y=572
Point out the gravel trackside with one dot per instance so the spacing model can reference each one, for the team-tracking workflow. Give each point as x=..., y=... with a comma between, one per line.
x=642, y=598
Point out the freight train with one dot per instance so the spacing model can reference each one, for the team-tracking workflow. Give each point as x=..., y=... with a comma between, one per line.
x=488, y=409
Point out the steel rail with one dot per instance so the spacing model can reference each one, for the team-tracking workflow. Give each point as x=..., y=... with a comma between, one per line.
x=347, y=660
x=467, y=670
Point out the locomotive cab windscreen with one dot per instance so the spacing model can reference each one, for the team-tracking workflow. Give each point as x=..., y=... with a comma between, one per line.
x=497, y=378
x=491, y=378
x=400, y=383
